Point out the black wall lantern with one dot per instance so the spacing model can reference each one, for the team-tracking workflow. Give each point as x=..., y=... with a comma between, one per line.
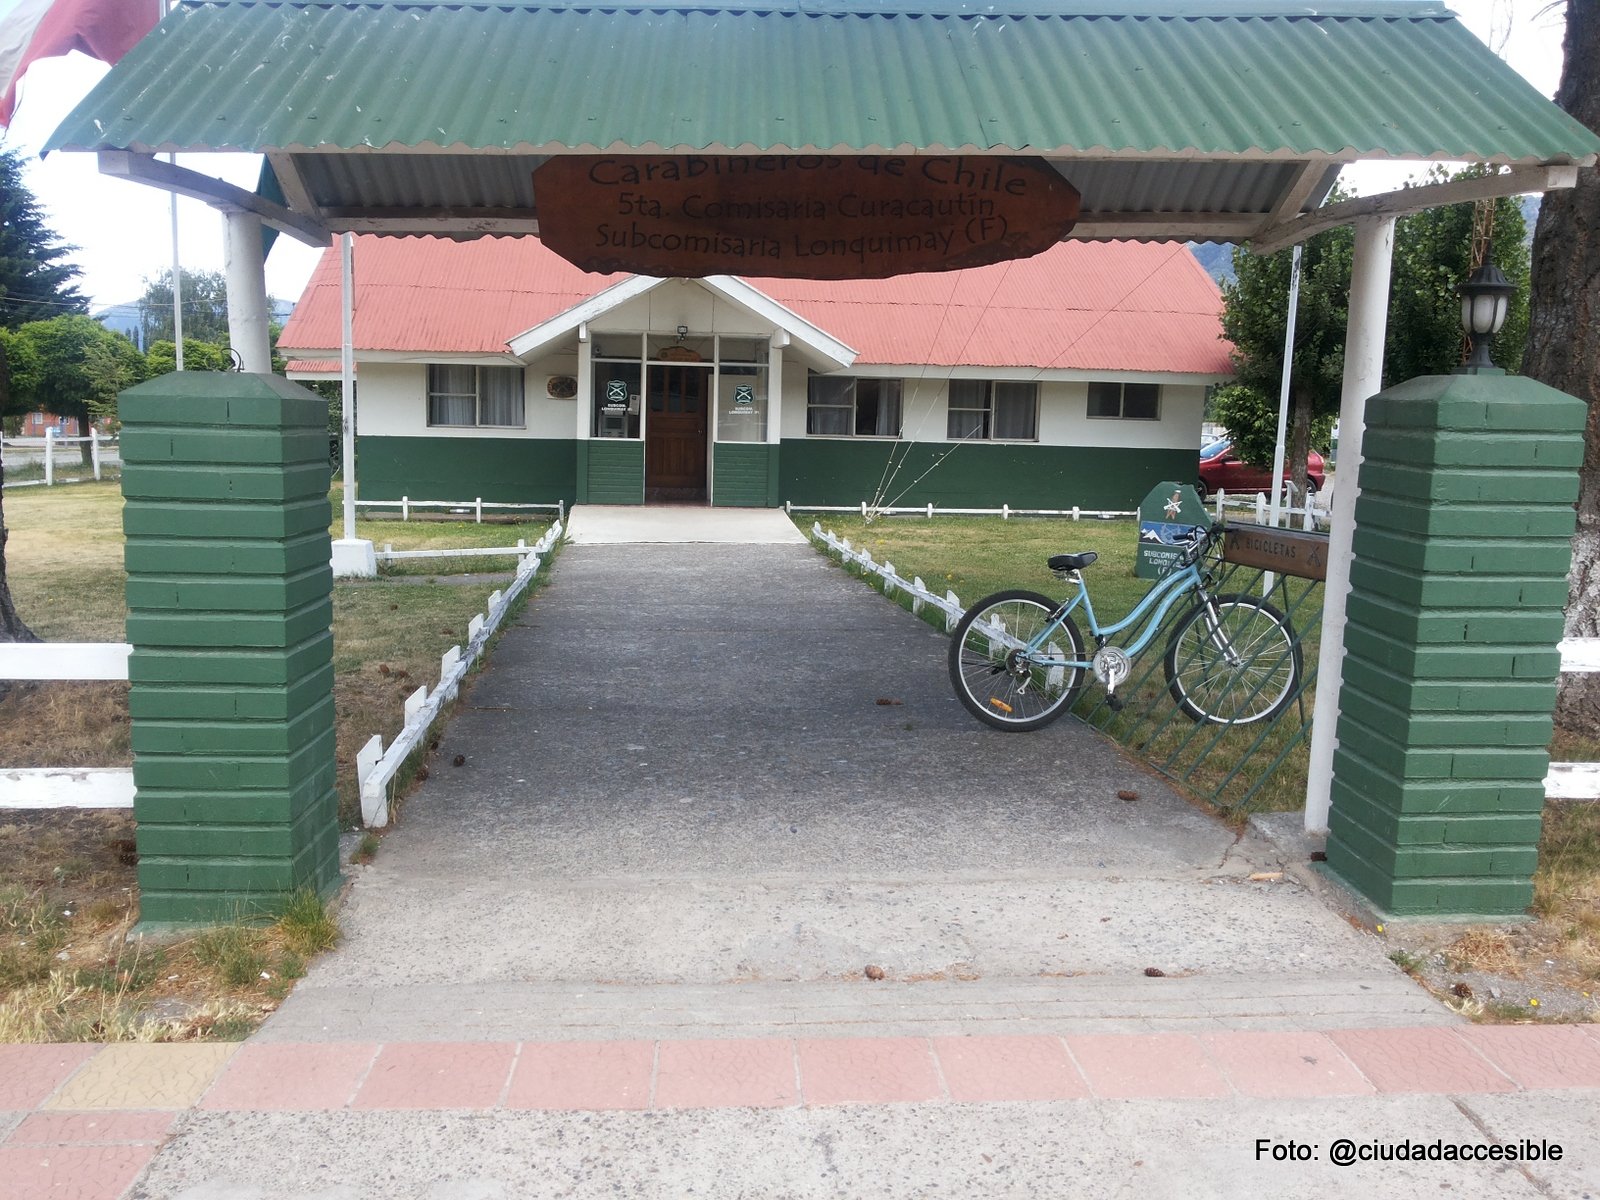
x=1485, y=298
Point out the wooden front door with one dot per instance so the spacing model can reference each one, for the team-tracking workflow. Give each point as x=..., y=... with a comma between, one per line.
x=675, y=432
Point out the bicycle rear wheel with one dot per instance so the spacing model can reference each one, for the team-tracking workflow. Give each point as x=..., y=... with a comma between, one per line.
x=1233, y=661
x=990, y=671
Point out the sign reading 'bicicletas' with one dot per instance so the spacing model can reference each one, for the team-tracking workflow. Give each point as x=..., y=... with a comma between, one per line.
x=799, y=216
x=1286, y=551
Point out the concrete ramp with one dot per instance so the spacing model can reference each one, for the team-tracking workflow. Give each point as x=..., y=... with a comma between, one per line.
x=705, y=787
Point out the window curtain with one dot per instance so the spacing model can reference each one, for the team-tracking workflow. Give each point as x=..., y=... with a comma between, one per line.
x=502, y=396
x=831, y=406
x=1016, y=411
x=452, y=395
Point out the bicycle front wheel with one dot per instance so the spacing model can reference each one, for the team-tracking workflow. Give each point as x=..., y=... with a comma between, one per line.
x=1233, y=660
x=993, y=674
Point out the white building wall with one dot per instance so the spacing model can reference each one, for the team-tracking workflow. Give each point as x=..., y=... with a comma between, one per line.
x=1063, y=410
x=680, y=302
x=392, y=401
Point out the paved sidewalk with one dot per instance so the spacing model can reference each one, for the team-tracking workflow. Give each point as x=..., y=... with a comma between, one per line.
x=240, y=1122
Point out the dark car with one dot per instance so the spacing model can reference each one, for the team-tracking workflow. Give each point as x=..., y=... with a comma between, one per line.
x=1222, y=470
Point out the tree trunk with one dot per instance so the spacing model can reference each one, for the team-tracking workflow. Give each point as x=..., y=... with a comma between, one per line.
x=1299, y=446
x=12, y=628
x=85, y=424
x=1564, y=338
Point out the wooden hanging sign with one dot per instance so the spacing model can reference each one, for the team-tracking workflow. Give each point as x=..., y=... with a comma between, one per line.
x=866, y=216
x=1286, y=551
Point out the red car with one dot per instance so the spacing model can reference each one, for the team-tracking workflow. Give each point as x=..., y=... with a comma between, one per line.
x=1221, y=469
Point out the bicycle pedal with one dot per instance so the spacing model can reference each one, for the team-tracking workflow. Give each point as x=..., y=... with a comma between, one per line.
x=1114, y=702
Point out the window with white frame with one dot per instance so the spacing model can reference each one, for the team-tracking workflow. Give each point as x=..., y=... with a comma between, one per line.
x=840, y=406
x=475, y=396
x=994, y=410
x=1125, y=401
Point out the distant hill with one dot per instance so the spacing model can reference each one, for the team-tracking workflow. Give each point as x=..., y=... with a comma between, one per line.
x=1216, y=258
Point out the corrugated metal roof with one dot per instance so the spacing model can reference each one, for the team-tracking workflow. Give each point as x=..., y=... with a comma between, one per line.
x=1111, y=306
x=432, y=294
x=1363, y=80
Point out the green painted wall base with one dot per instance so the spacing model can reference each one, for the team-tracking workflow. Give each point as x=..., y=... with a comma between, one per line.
x=754, y=474
x=974, y=474
x=745, y=475
x=610, y=471
x=502, y=470
x=1462, y=546
x=229, y=614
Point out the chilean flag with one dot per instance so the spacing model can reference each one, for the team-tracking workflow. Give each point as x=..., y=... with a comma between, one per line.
x=35, y=29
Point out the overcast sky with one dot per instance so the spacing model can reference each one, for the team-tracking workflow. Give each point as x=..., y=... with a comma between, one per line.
x=121, y=229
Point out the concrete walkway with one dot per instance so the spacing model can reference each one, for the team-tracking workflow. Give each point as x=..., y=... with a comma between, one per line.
x=622, y=948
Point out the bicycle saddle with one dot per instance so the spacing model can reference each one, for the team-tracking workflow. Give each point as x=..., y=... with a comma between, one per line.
x=1071, y=562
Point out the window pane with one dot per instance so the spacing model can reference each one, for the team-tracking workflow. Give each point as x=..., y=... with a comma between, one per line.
x=617, y=345
x=830, y=405
x=616, y=400
x=1016, y=411
x=1105, y=399
x=452, y=395
x=878, y=407
x=969, y=409
x=744, y=350
x=1141, y=401
x=502, y=397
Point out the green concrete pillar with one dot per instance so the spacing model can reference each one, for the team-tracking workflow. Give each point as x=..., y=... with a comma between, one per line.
x=229, y=613
x=1462, y=546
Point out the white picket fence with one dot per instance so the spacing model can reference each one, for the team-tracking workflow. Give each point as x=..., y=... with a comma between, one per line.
x=48, y=443
x=112, y=787
x=475, y=506
x=1565, y=781
x=390, y=554
x=376, y=767
x=1004, y=512
x=65, y=787
x=949, y=604
x=1313, y=513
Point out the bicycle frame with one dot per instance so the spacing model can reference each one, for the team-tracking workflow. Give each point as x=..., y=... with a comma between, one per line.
x=1167, y=592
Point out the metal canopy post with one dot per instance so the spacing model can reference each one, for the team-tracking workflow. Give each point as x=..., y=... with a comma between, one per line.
x=1363, y=377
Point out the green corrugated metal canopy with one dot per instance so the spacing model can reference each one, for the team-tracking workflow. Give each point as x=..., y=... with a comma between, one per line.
x=1192, y=121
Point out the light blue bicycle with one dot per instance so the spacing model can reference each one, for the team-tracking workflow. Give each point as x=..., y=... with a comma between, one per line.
x=1018, y=661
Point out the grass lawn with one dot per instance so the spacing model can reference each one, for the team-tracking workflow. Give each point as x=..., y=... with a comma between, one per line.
x=64, y=563
x=977, y=555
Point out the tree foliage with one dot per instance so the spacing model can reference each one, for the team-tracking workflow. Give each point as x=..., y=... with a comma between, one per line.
x=76, y=368
x=197, y=356
x=1432, y=257
x=35, y=280
x=205, y=309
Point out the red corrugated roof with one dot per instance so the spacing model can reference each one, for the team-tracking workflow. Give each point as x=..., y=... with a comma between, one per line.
x=1117, y=306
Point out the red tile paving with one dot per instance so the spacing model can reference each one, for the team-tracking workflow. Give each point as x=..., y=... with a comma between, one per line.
x=1008, y=1068
x=867, y=1070
x=28, y=1074
x=91, y=1128
x=1419, y=1060
x=70, y=1172
x=1285, y=1064
x=291, y=1078
x=583, y=1075
x=731, y=1073
x=438, y=1075
x=1539, y=1056
x=1126, y=1066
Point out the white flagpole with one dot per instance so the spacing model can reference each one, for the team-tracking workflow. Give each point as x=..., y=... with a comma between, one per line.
x=347, y=378
x=1283, y=390
x=177, y=271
